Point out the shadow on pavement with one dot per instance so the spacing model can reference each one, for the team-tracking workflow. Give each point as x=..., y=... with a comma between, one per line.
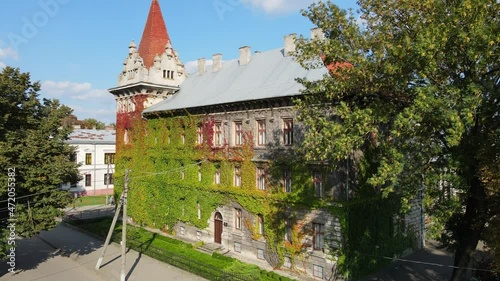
x=30, y=252
x=431, y=263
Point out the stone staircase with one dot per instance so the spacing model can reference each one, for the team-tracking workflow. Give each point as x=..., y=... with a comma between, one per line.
x=210, y=248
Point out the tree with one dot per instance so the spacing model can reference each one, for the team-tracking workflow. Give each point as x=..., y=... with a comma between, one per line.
x=33, y=154
x=91, y=123
x=70, y=121
x=414, y=90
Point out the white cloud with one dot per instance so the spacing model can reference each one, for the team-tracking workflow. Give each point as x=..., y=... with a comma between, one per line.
x=83, y=98
x=57, y=89
x=279, y=6
x=7, y=53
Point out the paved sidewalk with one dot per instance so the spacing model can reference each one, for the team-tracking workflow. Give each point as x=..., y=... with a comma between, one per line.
x=85, y=250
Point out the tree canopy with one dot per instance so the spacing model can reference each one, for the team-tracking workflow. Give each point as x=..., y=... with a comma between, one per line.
x=89, y=123
x=413, y=88
x=32, y=142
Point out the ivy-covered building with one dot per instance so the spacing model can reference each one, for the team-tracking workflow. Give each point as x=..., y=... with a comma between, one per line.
x=213, y=154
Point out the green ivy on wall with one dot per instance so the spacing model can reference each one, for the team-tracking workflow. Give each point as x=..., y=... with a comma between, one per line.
x=172, y=177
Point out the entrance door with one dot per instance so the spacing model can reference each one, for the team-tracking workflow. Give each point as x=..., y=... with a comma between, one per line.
x=218, y=228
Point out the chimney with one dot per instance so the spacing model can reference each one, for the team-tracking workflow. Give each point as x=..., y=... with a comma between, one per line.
x=317, y=33
x=216, y=62
x=201, y=66
x=245, y=53
x=289, y=44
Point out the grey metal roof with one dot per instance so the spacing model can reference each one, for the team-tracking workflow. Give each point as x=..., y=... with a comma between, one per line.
x=269, y=74
x=86, y=136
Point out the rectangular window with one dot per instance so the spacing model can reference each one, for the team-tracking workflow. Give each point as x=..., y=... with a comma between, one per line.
x=287, y=131
x=199, y=210
x=126, y=138
x=109, y=158
x=217, y=176
x=288, y=230
x=260, y=254
x=261, y=132
x=237, y=247
x=108, y=179
x=183, y=139
x=237, y=218
x=199, y=172
x=88, y=180
x=261, y=179
x=88, y=158
x=218, y=134
x=260, y=224
x=318, y=184
x=199, y=131
x=237, y=176
x=287, y=263
x=318, y=271
x=238, y=133
x=287, y=180
x=318, y=236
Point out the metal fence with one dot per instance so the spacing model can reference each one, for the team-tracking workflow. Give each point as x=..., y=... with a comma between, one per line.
x=88, y=214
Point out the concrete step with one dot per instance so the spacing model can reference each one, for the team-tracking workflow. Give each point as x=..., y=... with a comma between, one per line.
x=210, y=248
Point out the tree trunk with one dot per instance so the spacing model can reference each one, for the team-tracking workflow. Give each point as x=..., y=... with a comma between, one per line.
x=470, y=228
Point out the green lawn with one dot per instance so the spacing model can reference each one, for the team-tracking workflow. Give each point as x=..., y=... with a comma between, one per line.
x=181, y=254
x=88, y=201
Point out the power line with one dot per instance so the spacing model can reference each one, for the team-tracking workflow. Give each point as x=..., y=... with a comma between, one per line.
x=427, y=263
x=25, y=196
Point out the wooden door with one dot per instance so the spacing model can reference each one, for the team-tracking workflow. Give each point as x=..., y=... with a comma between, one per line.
x=218, y=228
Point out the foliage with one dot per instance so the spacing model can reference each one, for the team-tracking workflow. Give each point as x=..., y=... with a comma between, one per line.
x=412, y=94
x=179, y=253
x=89, y=123
x=32, y=143
x=92, y=123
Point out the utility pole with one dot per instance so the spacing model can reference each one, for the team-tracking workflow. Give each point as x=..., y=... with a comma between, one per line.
x=110, y=233
x=124, y=225
x=121, y=202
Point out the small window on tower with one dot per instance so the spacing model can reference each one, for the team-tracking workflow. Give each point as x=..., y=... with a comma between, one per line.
x=164, y=74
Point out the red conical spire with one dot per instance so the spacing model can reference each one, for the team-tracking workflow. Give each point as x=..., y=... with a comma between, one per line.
x=155, y=36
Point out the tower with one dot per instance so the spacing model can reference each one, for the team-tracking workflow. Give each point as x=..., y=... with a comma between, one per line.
x=150, y=73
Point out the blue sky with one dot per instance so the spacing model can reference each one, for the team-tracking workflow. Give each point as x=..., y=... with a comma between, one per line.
x=76, y=47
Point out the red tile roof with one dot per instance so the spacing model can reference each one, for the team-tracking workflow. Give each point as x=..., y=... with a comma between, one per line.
x=155, y=36
x=334, y=67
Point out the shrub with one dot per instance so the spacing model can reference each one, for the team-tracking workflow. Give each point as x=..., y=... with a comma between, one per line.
x=222, y=257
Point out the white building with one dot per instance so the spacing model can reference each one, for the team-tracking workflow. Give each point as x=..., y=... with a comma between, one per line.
x=95, y=152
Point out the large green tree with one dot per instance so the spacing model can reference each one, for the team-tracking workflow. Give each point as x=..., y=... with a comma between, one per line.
x=33, y=152
x=413, y=91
